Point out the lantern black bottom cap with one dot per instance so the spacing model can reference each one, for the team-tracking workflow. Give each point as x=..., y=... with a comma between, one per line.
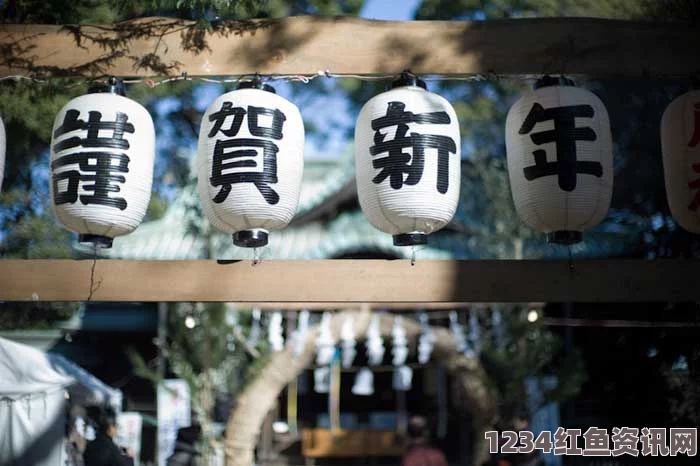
x=97, y=240
x=250, y=238
x=410, y=239
x=565, y=237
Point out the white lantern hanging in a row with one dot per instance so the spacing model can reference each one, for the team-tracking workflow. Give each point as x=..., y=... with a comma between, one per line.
x=250, y=162
x=102, y=153
x=560, y=159
x=680, y=144
x=407, y=161
x=3, y=149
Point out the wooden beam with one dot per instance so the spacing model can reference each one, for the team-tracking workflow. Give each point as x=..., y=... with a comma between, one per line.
x=351, y=281
x=344, y=45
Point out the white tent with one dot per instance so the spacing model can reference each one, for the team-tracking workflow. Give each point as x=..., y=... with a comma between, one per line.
x=33, y=389
x=32, y=407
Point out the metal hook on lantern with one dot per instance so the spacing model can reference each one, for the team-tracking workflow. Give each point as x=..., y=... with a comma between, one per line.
x=406, y=78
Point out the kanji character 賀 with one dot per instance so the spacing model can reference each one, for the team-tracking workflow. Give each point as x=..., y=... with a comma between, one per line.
x=238, y=165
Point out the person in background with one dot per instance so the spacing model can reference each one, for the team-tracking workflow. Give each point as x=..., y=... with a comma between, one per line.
x=186, y=447
x=103, y=451
x=419, y=452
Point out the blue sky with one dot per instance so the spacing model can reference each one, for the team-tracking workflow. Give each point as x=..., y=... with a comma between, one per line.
x=397, y=10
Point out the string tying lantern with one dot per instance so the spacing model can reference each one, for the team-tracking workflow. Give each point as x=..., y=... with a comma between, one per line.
x=407, y=161
x=102, y=153
x=559, y=148
x=680, y=144
x=250, y=159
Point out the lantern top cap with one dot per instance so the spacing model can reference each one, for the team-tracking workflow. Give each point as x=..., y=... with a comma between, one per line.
x=112, y=86
x=548, y=81
x=256, y=83
x=407, y=79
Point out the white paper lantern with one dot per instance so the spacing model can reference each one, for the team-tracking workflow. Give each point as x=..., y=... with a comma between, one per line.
x=680, y=144
x=250, y=162
x=407, y=161
x=102, y=153
x=560, y=159
x=3, y=149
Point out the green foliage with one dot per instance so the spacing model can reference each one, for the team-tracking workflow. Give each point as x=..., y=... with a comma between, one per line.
x=35, y=316
x=529, y=350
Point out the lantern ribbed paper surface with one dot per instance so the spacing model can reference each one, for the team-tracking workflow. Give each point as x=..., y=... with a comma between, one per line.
x=407, y=162
x=102, y=153
x=250, y=163
x=560, y=160
x=680, y=144
x=3, y=149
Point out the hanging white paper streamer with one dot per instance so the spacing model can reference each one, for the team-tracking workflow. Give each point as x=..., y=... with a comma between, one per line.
x=364, y=383
x=497, y=323
x=474, y=332
x=299, y=335
x=322, y=380
x=426, y=340
x=254, y=336
x=274, y=332
x=325, y=345
x=403, y=378
x=457, y=332
x=375, y=344
x=399, y=349
x=347, y=337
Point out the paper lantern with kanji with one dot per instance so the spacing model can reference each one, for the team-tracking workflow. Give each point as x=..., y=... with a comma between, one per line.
x=3, y=148
x=680, y=144
x=560, y=159
x=407, y=161
x=250, y=162
x=102, y=153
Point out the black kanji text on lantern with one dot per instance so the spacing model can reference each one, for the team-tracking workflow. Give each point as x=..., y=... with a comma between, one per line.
x=100, y=171
x=245, y=150
x=397, y=163
x=564, y=134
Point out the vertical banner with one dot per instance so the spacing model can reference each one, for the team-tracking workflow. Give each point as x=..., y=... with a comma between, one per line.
x=292, y=407
x=334, y=394
x=129, y=433
x=173, y=414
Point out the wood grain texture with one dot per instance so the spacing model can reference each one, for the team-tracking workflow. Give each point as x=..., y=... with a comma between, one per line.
x=352, y=281
x=343, y=45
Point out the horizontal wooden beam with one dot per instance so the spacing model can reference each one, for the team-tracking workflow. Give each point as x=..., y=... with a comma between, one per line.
x=351, y=281
x=344, y=45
